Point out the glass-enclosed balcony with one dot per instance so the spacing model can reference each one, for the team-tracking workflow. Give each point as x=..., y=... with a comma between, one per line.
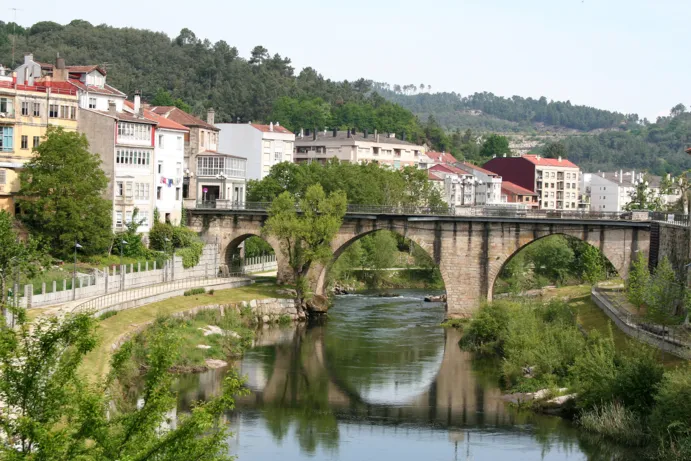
x=214, y=165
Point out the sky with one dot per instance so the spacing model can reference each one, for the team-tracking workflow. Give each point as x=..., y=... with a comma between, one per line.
x=630, y=56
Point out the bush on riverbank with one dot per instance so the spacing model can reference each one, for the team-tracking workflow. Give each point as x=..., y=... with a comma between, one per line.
x=625, y=396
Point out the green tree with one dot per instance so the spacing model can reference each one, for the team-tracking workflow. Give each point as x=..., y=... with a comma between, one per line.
x=58, y=416
x=305, y=237
x=638, y=281
x=164, y=98
x=593, y=268
x=555, y=150
x=665, y=295
x=62, y=195
x=643, y=198
x=552, y=258
x=495, y=145
x=134, y=246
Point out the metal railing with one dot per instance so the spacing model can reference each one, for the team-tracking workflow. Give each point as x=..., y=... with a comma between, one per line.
x=492, y=211
x=112, y=299
x=674, y=335
x=670, y=218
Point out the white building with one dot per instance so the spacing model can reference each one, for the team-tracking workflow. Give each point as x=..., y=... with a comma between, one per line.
x=612, y=191
x=488, y=190
x=262, y=145
x=353, y=147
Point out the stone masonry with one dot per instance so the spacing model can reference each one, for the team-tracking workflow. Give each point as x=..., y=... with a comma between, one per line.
x=470, y=252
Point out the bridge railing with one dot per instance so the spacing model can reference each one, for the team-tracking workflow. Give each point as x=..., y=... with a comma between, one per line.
x=493, y=211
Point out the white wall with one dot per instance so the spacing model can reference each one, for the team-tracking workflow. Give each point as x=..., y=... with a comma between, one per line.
x=170, y=156
x=605, y=194
x=101, y=101
x=242, y=140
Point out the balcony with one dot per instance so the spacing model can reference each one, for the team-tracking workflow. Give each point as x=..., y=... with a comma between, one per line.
x=230, y=167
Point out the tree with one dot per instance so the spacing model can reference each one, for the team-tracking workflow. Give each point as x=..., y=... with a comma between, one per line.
x=306, y=236
x=638, y=281
x=555, y=150
x=552, y=258
x=495, y=145
x=62, y=195
x=52, y=413
x=665, y=295
x=164, y=98
x=17, y=258
x=134, y=247
x=643, y=198
x=593, y=267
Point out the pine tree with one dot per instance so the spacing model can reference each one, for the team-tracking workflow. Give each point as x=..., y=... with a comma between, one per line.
x=638, y=281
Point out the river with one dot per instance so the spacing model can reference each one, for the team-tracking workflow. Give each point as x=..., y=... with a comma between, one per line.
x=381, y=380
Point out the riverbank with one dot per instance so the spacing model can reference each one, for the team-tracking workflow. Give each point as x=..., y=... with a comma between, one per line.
x=399, y=278
x=621, y=390
x=113, y=330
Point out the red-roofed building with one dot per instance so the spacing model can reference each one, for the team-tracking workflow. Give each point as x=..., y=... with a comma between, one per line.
x=556, y=181
x=441, y=157
x=688, y=151
x=512, y=193
x=262, y=145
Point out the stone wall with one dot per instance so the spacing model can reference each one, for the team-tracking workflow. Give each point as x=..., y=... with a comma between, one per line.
x=674, y=243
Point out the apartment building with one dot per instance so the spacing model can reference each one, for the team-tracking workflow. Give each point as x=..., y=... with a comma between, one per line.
x=612, y=191
x=489, y=184
x=458, y=187
x=515, y=194
x=26, y=111
x=263, y=145
x=209, y=175
x=554, y=180
x=353, y=147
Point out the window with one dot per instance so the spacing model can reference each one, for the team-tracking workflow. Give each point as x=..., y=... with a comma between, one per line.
x=160, y=167
x=134, y=131
x=179, y=143
x=73, y=113
x=37, y=109
x=573, y=204
x=143, y=218
x=6, y=138
x=64, y=111
x=119, y=189
x=278, y=156
x=37, y=141
x=160, y=141
x=25, y=142
x=128, y=189
x=6, y=106
x=128, y=217
x=159, y=189
x=214, y=165
x=118, y=219
x=92, y=103
x=178, y=170
x=177, y=193
x=53, y=110
x=3, y=178
x=141, y=191
x=133, y=157
x=25, y=108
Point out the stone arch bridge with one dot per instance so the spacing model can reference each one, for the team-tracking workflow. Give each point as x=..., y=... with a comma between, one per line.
x=469, y=250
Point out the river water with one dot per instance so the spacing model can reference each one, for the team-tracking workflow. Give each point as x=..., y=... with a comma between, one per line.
x=381, y=380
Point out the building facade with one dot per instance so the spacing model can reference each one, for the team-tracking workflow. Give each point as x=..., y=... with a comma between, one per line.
x=517, y=195
x=488, y=191
x=613, y=191
x=554, y=180
x=353, y=147
x=263, y=145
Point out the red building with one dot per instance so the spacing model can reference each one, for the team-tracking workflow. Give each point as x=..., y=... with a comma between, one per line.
x=512, y=193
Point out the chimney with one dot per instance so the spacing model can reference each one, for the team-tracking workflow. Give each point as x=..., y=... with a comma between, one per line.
x=314, y=135
x=302, y=133
x=60, y=63
x=307, y=132
x=137, y=103
x=211, y=116
x=278, y=124
x=238, y=120
x=111, y=108
x=559, y=159
x=621, y=176
x=271, y=126
x=28, y=57
x=348, y=131
x=366, y=134
x=353, y=132
x=335, y=132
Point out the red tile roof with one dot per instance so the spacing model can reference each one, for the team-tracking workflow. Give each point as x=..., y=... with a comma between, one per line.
x=441, y=157
x=182, y=117
x=515, y=189
x=688, y=151
x=476, y=168
x=85, y=69
x=448, y=169
x=107, y=89
x=267, y=129
x=162, y=121
x=432, y=176
x=541, y=161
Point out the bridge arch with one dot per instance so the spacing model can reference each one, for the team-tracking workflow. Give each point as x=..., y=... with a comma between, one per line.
x=496, y=276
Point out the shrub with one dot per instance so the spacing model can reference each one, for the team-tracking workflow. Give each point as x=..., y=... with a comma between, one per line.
x=284, y=320
x=195, y=291
x=670, y=420
x=191, y=254
x=616, y=422
x=107, y=315
x=487, y=328
x=212, y=291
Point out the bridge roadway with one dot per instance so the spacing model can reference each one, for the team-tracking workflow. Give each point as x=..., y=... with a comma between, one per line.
x=470, y=248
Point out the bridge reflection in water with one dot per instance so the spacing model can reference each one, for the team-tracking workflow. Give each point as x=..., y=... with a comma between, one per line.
x=381, y=373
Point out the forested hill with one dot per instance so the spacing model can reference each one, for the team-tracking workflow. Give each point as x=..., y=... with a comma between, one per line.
x=488, y=111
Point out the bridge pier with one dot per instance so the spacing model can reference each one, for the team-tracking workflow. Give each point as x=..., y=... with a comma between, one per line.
x=470, y=251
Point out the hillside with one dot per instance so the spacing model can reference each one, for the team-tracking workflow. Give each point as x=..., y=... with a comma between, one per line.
x=266, y=87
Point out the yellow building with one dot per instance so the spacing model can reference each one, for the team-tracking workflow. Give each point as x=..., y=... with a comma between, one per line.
x=26, y=111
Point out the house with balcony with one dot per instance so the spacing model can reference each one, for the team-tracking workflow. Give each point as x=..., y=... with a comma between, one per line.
x=263, y=145
x=489, y=184
x=209, y=175
x=351, y=146
x=517, y=195
x=554, y=180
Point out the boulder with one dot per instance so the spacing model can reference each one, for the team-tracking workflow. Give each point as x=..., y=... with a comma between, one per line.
x=287, y=292
x=318, y=305
x=203, y=346
x=214, y=363
x=435, y=299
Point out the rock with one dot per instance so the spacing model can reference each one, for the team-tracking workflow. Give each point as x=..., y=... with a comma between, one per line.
x=214, y=363
x=253, y=303
x=388, y=295
x=287, y=292
x=212, y=330
x=318, y=305
x=435, y=299
x=203, y=346
x=561, y=400
x=266, y=319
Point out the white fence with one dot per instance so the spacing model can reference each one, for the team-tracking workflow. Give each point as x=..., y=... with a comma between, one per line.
x=111, y=280
x=259, y=264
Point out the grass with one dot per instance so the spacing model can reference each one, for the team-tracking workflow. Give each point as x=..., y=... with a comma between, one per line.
x=616, y=422
x=97, y=363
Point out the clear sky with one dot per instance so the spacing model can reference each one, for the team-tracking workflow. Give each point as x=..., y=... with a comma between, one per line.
x=624, y=55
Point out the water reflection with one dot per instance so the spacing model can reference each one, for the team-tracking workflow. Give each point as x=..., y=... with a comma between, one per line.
x=380, y=380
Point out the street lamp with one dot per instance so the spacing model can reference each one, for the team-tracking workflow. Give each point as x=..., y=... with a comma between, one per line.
x=172, y=267
x=74, y=271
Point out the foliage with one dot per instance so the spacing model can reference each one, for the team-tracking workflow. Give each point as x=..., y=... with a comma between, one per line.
x=487, y=329
x=495, y=146
x=107, y=315
x=552, y=258
x=164, y=98
x=665, y=295
x=305, y=238
x=644, y=198
x=368, y=183
x=257, y=246
x=194, y=291
x=184, y=241
x=638, y=281
x=593, y=268
x=671, y=417
x=555, y=150
x=616, y=422
x=56, y=415
x=134, y=248
x=61, y=195
x=18, y=258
